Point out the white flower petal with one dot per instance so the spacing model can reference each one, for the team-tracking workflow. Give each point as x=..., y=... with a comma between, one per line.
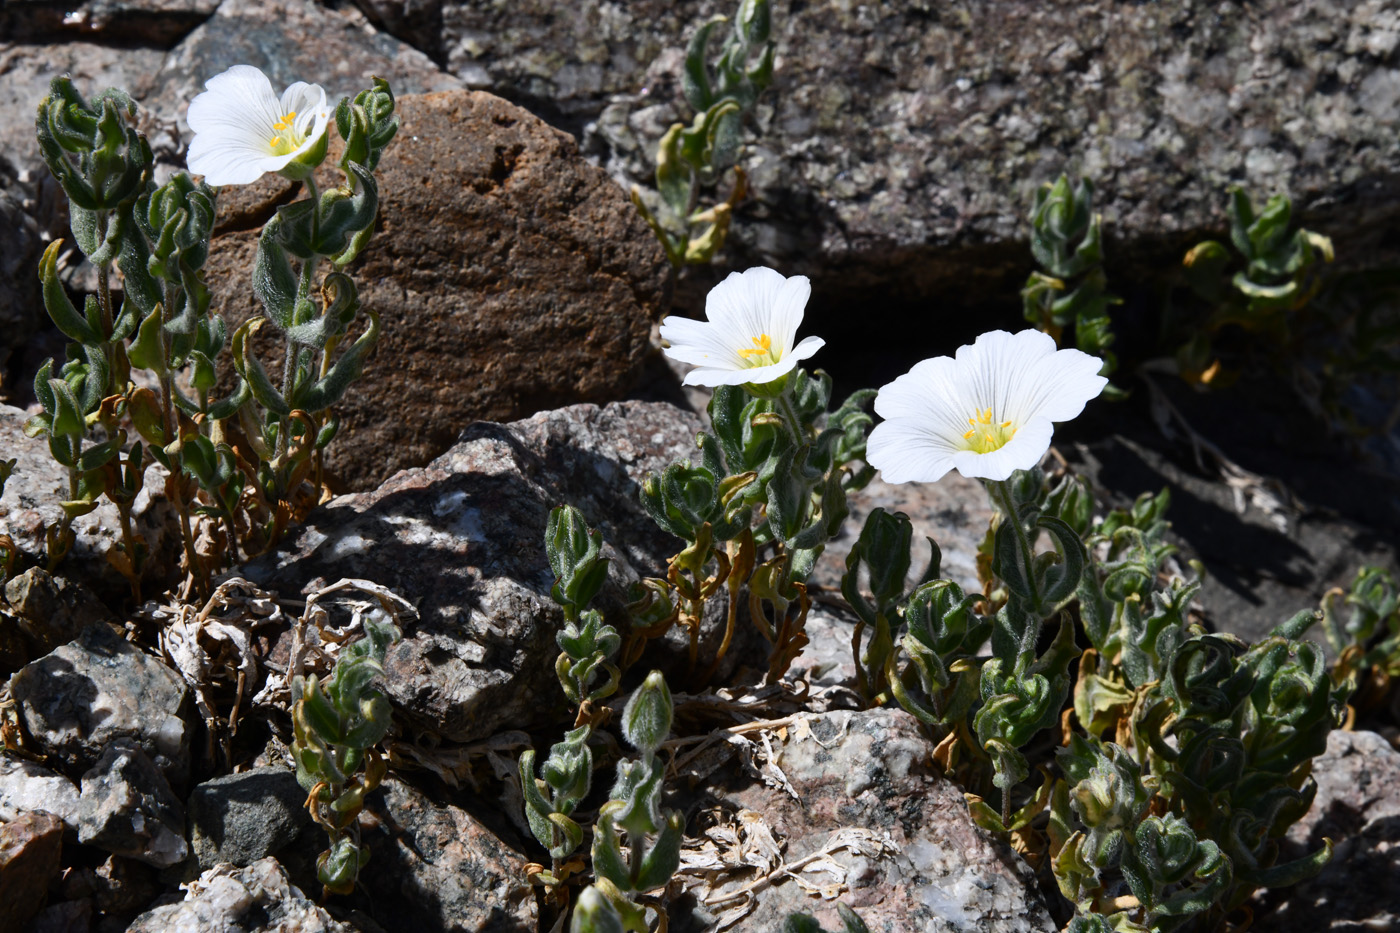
x=1063, y=384
x=1004, y=389
x=751, y=318
x=237, y=119
x=807, y=348
x=231, y=164
x=905, y=453
x=699, y=343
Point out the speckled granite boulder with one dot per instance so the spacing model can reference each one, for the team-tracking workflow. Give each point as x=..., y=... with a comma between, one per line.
x=435, y=867
x=78, y=700
x=463, y=539
x=847, y=807
x=127, y=808
x=901, y=142
x=1358, y=808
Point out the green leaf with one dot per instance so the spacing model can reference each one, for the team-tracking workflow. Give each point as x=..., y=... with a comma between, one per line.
x=274, y=282
x=695, y=78
x=61, y=310
x=329, y=389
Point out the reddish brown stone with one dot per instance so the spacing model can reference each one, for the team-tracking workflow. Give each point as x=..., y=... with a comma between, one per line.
x=29, y=859
x=509, y=275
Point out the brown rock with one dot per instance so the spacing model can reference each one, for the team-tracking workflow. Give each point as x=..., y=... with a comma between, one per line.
x=509, y=277
x=29, y=858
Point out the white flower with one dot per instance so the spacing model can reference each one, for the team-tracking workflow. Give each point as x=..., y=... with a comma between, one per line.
x=242, y=130
x=986, y=412
x=748, y=339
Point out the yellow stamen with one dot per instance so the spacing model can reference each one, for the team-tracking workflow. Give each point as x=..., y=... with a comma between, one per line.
x=986, y=435
x=274, y=142
x=286, y=122
x=762, y=345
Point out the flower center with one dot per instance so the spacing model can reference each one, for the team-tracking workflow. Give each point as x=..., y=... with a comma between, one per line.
x=986, y=435
x=287, y=138
x=761, y=353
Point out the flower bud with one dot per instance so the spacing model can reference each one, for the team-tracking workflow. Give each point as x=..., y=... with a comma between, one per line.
x=594, y=913
x=647, y=719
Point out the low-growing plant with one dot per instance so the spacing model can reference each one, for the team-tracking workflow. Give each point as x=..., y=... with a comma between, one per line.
x=240, y=459
x=773, y=471
x=337, y=725
x=1367, y=641
x=1071, y=294
x=690, y=159
x=1186, y=753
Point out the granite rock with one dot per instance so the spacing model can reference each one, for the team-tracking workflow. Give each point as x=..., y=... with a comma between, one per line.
x=1358, y=808
x=226, y=899
x=241, y=818
x=901, y=143
x=463, y=540
x=78, y=700
x=52, y=610
x=846, y=805
x=126, y=807
x=435, y=867
x=30, y=505
x=28, y=787
x=509, y=277
x=30, y=848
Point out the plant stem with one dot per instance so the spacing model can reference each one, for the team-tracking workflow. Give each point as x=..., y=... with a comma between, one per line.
x=1023, y=541
x=172, y=433
x=293, y=352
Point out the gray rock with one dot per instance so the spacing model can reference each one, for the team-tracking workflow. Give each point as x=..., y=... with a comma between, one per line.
x=64, y=917
x=78, y=700
x=151, y=22
x=25, y=73
x=435, y=867
x=127, y=808
x=27, y=787
x=30, y=848
x=901, y=142
x=849, y=808
x=30, y=505
x=241, y=818
x=20, y=306
x=1358, y=808
x=955, y=512
x=241, y=900
x=53, y=610
x=290, y=40
x=463, y=540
